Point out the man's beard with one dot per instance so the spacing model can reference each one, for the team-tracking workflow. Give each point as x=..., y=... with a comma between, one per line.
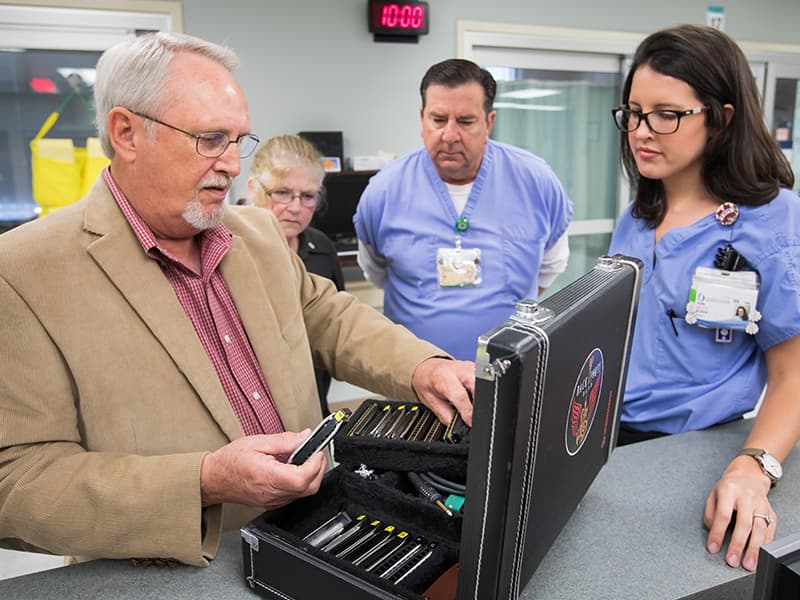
x=194, y=214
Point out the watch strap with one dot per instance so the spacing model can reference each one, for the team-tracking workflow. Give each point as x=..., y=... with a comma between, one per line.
x=752, y=452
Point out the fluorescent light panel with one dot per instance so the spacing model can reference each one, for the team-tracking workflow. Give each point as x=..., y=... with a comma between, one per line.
x=519, y=106
x=528, y=94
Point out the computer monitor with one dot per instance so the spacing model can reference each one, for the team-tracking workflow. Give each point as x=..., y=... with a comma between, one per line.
x=343, y=191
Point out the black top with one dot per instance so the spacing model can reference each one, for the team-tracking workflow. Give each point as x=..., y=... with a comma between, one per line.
x=319, y=256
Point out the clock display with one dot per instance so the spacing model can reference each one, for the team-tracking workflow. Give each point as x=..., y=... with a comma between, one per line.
x=387, y=17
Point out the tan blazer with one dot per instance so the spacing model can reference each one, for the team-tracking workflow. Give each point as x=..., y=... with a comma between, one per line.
x=108, y=401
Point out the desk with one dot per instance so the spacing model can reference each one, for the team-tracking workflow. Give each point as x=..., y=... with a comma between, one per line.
x=637, y=534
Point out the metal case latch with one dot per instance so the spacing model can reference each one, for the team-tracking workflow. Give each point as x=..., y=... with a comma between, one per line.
x=529, y=312
x=251, y=539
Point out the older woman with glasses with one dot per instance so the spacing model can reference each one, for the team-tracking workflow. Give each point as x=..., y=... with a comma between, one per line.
x=716, y=223
x=286, y=177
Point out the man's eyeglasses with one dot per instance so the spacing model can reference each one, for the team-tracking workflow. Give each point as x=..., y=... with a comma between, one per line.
x=285, y=196
x=213, y=144
x=658, y=121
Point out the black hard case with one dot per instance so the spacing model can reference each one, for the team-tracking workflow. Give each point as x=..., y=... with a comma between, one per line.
x=536, y=385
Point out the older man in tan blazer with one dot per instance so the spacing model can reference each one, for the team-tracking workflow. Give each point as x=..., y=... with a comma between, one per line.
x=121, y=420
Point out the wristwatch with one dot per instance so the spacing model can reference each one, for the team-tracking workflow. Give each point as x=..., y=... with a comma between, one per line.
x=769, y=464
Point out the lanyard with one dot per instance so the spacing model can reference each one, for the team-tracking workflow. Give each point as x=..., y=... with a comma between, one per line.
x=461, y=227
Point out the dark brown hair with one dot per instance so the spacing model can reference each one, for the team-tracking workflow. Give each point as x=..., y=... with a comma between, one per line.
x=741, y=161
x=458, y=71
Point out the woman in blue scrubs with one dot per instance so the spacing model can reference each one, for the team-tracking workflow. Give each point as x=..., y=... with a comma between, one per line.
x=717, y=226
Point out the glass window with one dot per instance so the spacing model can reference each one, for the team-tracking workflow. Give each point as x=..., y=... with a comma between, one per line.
x=564, y=117
x=786, y=112
x=33, y=85
x=47, y=61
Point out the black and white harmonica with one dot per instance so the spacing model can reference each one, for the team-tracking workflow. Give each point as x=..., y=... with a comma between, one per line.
x=319, y=438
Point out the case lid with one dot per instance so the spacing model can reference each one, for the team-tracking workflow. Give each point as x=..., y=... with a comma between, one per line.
x=548, y=388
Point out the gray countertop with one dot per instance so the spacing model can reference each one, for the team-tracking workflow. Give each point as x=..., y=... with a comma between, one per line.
x=638, y=533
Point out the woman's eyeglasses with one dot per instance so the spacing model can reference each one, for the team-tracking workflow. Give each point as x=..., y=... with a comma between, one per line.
x=285, y=196
x=658, y=121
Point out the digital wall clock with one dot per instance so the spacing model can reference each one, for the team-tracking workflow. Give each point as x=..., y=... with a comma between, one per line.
x=394, y=20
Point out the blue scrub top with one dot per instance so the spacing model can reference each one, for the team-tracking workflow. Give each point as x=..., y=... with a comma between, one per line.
x=517, y=209
x=688, y=381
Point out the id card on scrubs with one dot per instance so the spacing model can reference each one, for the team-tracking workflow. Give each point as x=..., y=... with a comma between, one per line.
x=723, y=299
x=458, y=267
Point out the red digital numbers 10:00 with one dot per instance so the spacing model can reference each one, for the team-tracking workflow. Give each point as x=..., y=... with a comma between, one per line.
x=402, y=20
x=404, y=16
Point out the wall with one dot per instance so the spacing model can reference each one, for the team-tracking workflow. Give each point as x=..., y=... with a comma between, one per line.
x=312, y=64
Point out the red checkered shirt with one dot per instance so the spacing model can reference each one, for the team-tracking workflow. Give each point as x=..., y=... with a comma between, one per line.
x=208, y=304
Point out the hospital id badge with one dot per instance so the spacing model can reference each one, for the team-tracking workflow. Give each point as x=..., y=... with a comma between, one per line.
x=458, y=267
x=724, y=300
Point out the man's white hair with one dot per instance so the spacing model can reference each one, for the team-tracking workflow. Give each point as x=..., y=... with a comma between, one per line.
x=133, y=74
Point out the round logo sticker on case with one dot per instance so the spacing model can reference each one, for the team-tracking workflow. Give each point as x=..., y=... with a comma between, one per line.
x=583, y=405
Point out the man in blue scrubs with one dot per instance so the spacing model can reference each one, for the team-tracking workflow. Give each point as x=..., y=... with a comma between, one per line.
x=461, y=230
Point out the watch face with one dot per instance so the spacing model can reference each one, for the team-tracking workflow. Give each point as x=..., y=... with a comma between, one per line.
x=771, y=465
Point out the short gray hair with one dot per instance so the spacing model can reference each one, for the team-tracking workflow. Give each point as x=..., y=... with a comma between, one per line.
x=133, y=73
